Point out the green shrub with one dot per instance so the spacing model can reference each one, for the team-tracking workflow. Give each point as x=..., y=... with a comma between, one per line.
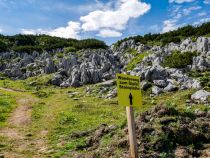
x=60, y=55
x=178, y=59
x=69, y=49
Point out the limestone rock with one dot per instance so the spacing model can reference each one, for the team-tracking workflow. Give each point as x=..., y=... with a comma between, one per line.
x=156, y=90
x=200, y=95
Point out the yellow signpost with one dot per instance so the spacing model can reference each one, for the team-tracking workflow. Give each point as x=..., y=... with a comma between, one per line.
x=129, y=95
x=128, y=88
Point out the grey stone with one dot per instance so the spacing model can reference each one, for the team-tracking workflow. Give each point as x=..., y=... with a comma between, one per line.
x=200, y=95
x=156, y=73
x=145, y=85
x=56, y=80
x=50, y=66
x=156, y=90
x=171, y=87
x=108, y=83
x=202, y=44
x=160, y=83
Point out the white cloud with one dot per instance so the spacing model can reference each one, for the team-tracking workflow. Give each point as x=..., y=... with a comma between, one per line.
x=114, y=19
x=180, y=1
x=72, y=30
x=187, y=11
x=108, y=20
x=1, y=30
x=206, y=1
x=204, y=20
x=178, y=13
x=202, y=14
x=169, y=25
x=109, y=33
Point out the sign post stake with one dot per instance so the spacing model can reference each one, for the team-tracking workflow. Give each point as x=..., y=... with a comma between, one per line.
x=129, y=95
x=132, y=133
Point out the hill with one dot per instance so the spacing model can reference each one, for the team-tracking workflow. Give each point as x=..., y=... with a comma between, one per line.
x=58, y=97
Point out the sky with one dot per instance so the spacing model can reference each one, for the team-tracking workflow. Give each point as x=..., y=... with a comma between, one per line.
x=107, y=20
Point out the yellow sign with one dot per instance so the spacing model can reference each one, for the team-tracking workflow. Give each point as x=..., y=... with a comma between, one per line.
x=129, y=93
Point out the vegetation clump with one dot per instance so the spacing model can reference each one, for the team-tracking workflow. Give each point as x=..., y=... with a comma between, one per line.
x=178, y=59
x=30, y=43
x=137, y=58
x=173, y=36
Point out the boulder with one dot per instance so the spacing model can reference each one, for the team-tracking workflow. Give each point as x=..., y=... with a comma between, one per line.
x=75, y=78
x=50, y=66
x=156, y=73
x=145, y=85
x=160, y=83
x=201, y=96
x=200, y=63
x=156, y=90
x=171, y=87
x=202, y=44
x=56, y=80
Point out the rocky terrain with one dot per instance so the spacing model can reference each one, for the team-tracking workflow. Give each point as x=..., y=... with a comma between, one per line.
x=74, y=110
x=91, y=66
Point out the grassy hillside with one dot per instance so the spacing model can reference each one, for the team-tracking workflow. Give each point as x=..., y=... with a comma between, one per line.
x=30, y=43
x=61, y=112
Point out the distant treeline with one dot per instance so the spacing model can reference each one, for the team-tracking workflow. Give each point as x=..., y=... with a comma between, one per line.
x=172, y=36
x=30, y=43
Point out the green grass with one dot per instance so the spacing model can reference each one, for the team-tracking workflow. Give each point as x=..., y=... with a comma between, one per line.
x=61, y=115
x=136, y=60
x=7, y=103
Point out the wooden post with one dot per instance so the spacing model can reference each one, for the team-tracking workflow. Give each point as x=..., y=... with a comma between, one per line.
x=132, y=132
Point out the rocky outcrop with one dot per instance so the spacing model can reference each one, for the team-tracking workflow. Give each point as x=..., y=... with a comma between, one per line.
x=92, y=66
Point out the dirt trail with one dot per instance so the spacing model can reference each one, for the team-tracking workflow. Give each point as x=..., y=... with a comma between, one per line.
x=22, y=143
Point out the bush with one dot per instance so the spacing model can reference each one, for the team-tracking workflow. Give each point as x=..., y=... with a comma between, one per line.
x=69, y=49
x=178, y=59
x=60, y=55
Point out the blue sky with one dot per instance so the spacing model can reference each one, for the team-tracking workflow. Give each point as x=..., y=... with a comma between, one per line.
x=108, y=20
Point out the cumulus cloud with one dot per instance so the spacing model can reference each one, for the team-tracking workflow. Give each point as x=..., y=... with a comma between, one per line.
x=107, y=21
x=1, y=30
x=114, y=19
x=109, y=33
x=169, y=25
x=180, y=1
x=72, y=30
